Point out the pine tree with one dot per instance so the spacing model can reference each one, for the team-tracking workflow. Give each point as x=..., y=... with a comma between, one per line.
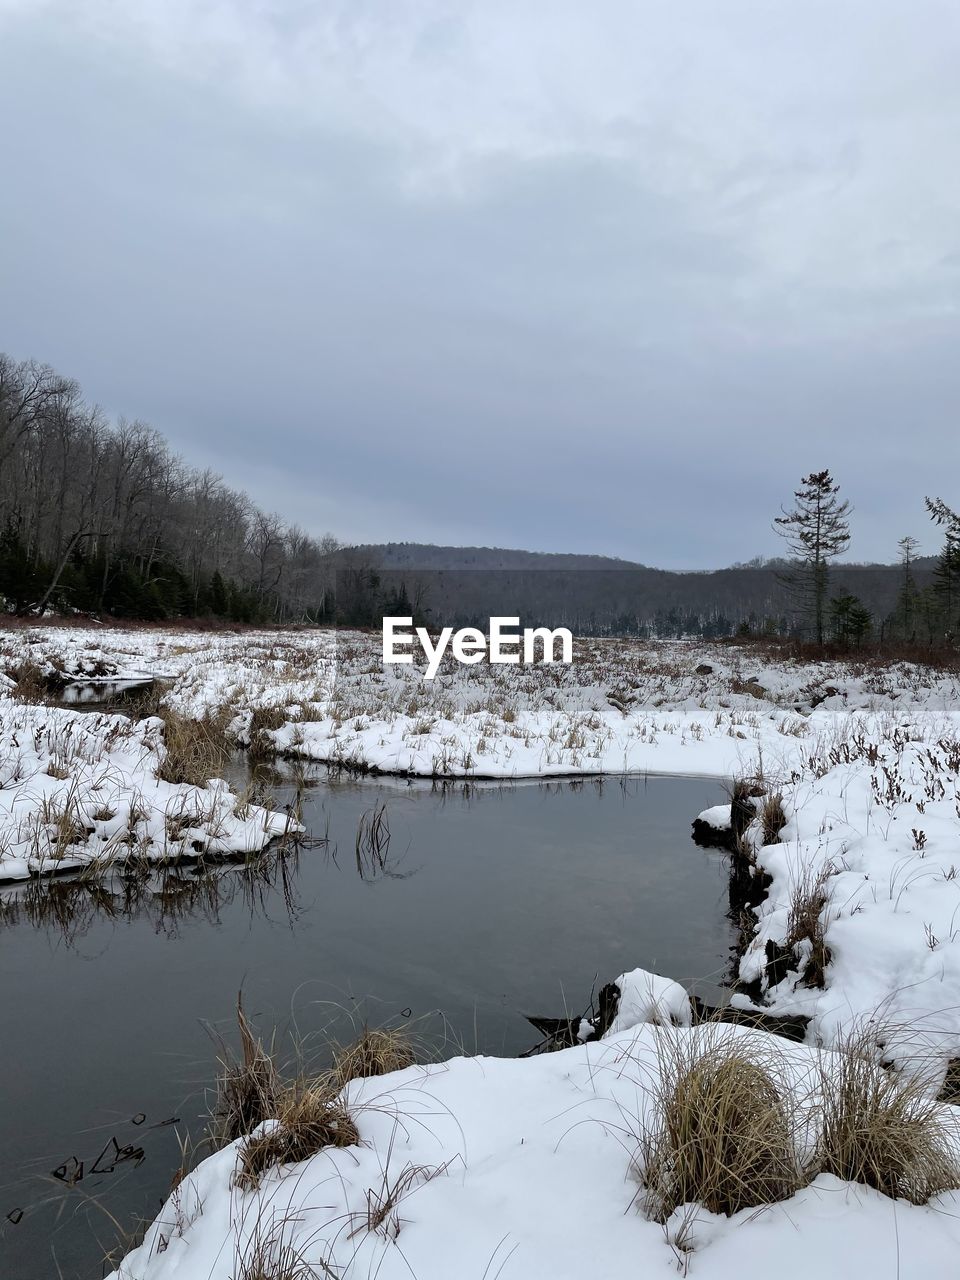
x=816, y=531
x=946, y=575
x=850, y=621
x=906, y=612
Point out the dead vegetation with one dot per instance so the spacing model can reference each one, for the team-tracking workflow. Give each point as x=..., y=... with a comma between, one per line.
x=880, y=1128
x=807, y=923
x=377, y=1051
x=724, y=1133
x=773, y=818
x=733, y=1127
x=307, y=1118
x=196, y=750
x=247, y=1087
x=32, y=684
x=273, y=1259
x=287, y=1115
x=263, y=722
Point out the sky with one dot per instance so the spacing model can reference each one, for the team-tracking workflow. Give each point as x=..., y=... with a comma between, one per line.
x=606, y=277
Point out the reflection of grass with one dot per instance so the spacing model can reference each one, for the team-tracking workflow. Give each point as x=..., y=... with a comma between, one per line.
x=373, y=842
x=72, y=906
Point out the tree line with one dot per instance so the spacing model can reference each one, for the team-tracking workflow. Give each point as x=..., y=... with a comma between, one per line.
x=103, y=517
x=817, y=530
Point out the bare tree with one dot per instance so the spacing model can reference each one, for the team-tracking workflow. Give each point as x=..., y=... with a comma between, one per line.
x=88, y=509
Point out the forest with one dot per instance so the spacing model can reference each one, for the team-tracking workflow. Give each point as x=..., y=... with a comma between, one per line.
x=103, y=518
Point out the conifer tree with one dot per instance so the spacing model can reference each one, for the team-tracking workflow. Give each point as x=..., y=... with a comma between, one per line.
x=816, y=531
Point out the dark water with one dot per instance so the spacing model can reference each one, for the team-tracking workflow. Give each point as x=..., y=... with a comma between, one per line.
x=101, y=695
x=487, y=903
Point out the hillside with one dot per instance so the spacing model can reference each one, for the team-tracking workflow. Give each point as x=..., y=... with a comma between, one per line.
x=464, y=585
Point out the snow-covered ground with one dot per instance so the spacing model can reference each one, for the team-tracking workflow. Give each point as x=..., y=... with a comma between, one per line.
x=81, y=790
x=620, y=707
x=525, y=1169
x=536, y=1157
x=872, y=842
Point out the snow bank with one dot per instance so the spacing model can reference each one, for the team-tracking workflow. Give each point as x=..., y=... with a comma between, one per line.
x=524, y=1169
x=79, y=789
x=621, y=706
x=647, y=997
x=717, y=817
x=872, y=838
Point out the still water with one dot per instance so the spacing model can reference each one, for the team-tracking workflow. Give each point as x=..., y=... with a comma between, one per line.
x=486, y=902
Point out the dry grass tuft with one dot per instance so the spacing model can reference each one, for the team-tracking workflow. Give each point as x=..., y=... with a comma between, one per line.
x=879, y=1127
x=268, y=1256
x=32, y=685
x=283, y=1121
x=375, y=1052
x=806, y=923
x=724, y=1132
x=248, y=1088
x=197, y=750
x=773, y=818
x=264, y=721
x=308, y=1119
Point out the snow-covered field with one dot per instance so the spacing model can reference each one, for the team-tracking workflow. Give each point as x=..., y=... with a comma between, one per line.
x=525, y=1169
x=81, y=790
x=536, y=1158
x=620, y=707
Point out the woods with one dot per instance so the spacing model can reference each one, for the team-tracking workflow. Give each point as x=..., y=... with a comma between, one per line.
x=104, y=517
x=101, y=517
x=817, y=530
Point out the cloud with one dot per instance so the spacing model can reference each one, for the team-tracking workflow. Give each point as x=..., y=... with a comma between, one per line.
x=604, y=278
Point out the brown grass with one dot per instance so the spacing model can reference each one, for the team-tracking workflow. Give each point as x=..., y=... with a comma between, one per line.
x=773, y=818
x=806, y=922
x=724, y=1132
x=375, y=1052
x=879, y=1128
x=248, y=1087
x=263, y=721
x=268, y=1259
x=197, y=750
x=309, y=1117
x=31, y=683
x=303, y=1116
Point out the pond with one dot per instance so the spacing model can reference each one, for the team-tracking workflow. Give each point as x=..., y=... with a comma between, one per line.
x=458, y=908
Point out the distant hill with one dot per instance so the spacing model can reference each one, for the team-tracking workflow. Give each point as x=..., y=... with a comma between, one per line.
x=425, y=555
x=601, y=594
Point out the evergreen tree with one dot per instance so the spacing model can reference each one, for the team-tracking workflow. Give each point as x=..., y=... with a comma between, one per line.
x=219, y=600
x=946, y=575
x=906, y=611
x=816, y=531
x=850, y=622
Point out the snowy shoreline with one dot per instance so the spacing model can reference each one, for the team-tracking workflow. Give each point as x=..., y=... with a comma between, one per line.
x=855, y=925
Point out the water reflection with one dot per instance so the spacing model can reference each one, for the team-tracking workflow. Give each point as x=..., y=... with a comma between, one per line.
x=473, y=903
x=69, y=906
x=104, y=694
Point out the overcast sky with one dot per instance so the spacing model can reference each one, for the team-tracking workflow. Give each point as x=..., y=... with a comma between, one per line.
x=603, y=276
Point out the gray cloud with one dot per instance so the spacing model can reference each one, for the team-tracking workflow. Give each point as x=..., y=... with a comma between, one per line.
x=569, y=277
